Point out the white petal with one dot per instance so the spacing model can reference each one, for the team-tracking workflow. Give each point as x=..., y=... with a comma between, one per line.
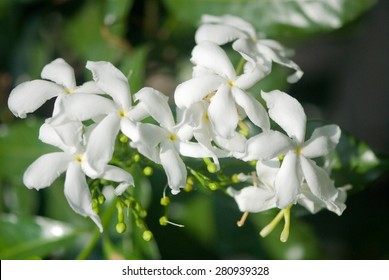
x=196, y=150
x=151, y=135
x=44, y=170
x=174, y=167
x=129, y=128
x=278, y=54
x=211, y=56
x=287, y=112
x=83, y=107
x=247, y=48
x=116, y=174
x=60, y=72
x=67, y=137
x=101, y=143
x=235, y=144
x=231, y=20
x=267, y=145
x=288, y=181
x=89, y=87
x=267, y=171
x=323, y=141
x=156, y=105
x=78, y=195
x=223, y=113
x=217, y=33
x=318, y=180
x=250, y=77
x=196, y=89
x=29, y=96
x=252, y=107
x=112, y=81
x=253, y=199
x=314, y=204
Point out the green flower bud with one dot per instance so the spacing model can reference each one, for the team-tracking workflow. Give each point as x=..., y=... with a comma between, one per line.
x=235, y=179
x=123, y=139
x=211, y=167
x=136, y=157
x=121, y=227
x=148, y=171
x=163, y=221
x=165, y=201
x=147, y=235
x=213, y=186
x=101, y=199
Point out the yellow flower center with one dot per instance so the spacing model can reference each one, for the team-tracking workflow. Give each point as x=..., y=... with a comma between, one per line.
x=172, y=137
x=68, y=90
x=122, y=113
x=298, y=149
x=79, y=158
x=230, y=83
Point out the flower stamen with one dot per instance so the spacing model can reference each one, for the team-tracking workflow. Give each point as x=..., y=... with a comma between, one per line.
x=242, y=220
x=284, y=213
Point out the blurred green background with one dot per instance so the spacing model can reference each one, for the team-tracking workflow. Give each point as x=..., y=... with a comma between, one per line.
x=341, y=47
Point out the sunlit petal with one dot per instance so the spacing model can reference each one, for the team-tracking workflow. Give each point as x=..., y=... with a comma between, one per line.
x=196, y=89
x=116, y=174
x=156, y=105
x=111, y=81
x=323, y=141
x=79, y=106
x=44, y=170
x=78, y=195
x=287, y=112
x=101, y=143
x=174, y=167
x=267, y=145
x=60, y=72
x=288, y=181
x=29, y=96
x=223, y=113
x=209, y=55
x=217, y=33
x=252, y=107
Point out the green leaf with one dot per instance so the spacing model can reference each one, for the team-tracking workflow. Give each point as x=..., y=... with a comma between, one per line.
x=356, y=163
x=32, y=237
x=19, y=147
x=276, y=18
x=353, y=161
x=133, y=65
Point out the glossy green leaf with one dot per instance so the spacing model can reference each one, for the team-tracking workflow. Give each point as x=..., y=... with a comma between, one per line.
x=32, y=237
x=353, y=161
x=275, y=18
x=356, y=163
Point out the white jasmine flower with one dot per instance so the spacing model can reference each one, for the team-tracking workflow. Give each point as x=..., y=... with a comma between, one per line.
x=112, y=115
x=59, y=82
x=297, y=165
x=72, y=160
x=261, y=195
x=255, y=49
x=196, y=116
x=223, y=89
x=165, y=143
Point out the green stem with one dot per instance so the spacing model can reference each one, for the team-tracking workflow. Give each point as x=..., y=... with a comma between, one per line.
x=239, y=68
x=106, y=217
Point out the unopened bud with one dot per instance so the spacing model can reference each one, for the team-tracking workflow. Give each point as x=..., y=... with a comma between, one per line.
x=165, y=201
x=121, y=227
x=148, y=171
x=147, y=235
